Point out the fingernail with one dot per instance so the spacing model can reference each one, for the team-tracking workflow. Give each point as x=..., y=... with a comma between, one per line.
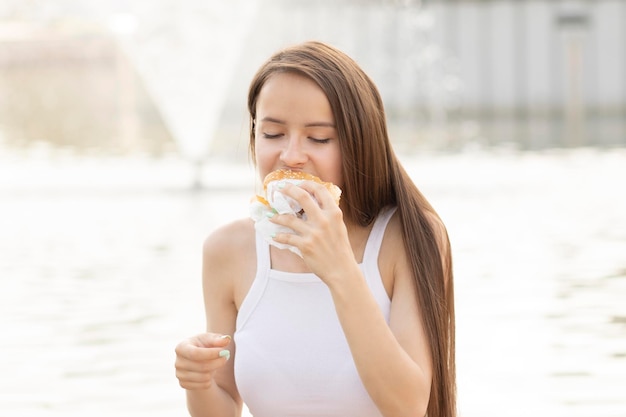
x=273, y=235
x=226, y=336
x=281, y=185
x=225, y=354
x=270, y=214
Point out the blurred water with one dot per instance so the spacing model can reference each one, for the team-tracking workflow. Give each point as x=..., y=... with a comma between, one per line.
x=100, y=275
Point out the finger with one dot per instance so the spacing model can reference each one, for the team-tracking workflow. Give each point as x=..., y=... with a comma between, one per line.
x=207, y=362
x=194, y=380
x=195, y=386
x=304, y=197
x=321, y=194
x=288, y=239
x=290, y=223
x=204, y=340
x=194, y=353
x=198, y=375
x=212, y=339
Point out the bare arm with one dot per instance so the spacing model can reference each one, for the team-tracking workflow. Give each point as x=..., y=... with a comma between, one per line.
x=207, y=376
x=393, y=360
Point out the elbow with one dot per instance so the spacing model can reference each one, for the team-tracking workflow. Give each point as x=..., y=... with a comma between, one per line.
x=414, y=404
x=417, y=405
x=417, y=408
x=421, y=409
x=414, y=409
x=405, y=394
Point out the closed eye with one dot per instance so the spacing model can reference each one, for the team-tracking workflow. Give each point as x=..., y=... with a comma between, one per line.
x=316, y=140
x=270, y=136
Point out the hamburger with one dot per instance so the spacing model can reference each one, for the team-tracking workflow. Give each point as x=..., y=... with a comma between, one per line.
x=274, y=201
x=271, y=181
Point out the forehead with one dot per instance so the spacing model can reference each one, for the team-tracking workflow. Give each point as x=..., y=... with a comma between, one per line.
x=292, y=95
x=287, y=80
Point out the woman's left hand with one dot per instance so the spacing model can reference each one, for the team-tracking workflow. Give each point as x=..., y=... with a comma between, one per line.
x=322, y=238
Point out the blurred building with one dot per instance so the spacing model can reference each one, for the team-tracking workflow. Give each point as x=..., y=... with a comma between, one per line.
x=531, y=74
x=67, y=84
x=527, y=73
x=540, y=73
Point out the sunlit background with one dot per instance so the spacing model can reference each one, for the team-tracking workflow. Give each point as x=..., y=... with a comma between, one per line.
x=123, y=143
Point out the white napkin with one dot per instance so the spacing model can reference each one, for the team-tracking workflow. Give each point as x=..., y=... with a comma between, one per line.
x=279, y=203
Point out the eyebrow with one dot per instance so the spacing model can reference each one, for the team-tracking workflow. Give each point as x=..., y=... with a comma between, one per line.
x=312, y=124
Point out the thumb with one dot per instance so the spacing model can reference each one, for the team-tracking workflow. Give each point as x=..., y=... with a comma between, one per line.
x=213, y=340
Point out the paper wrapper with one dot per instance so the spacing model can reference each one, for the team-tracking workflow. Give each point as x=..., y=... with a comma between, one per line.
x=277, y=202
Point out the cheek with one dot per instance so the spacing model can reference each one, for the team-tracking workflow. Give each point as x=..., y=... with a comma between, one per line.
x=264, y=160
x=335, y=168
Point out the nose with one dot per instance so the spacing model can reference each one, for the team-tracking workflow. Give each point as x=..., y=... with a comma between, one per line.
x=293, y=154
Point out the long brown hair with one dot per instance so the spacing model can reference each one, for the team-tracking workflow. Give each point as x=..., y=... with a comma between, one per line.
x=373, y=179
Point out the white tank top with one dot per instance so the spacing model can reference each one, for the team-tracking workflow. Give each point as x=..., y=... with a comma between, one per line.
x=292, y=357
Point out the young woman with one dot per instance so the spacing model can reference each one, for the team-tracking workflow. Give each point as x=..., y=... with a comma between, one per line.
x=362, y=323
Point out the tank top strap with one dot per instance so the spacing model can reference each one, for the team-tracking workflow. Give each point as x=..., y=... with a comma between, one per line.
x=263, y=262
x=375, y=239
x=259, y=284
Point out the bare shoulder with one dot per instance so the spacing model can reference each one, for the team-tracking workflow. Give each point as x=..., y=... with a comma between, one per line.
x=393, y=235
x=227, y=267
x=392, y=253
x=440, y=234
x=394, y=261
x=227, y=240
x=229, y=259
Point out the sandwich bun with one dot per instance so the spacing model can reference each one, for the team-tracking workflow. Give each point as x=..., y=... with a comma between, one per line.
x=286, y=174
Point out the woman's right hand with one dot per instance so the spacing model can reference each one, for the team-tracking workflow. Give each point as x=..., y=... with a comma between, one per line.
x=199, y=357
